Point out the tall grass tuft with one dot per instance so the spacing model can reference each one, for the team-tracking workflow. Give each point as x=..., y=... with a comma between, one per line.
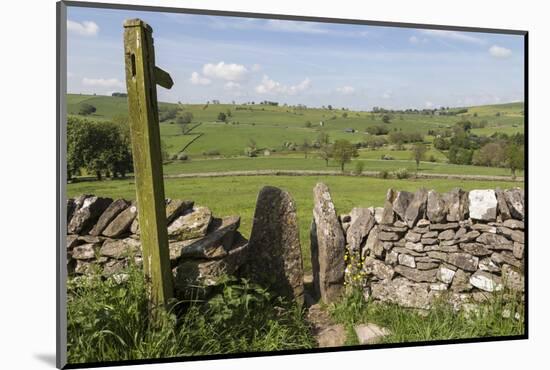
x=107, y=321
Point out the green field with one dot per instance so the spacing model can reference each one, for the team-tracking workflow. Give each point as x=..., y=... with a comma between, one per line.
x=237, y=195
x=271, y=126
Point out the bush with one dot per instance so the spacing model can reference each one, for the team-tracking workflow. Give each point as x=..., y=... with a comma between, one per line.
x=432, y=158
x=307, y=124
x=401, y=173
x=86, y=109
x=211, y=152
x=359, y=165
x=384, y=174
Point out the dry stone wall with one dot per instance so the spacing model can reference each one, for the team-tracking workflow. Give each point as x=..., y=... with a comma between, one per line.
x=422, y=245
x=103, y=237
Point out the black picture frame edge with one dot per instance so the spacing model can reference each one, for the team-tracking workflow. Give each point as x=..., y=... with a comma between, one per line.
x=61, y=223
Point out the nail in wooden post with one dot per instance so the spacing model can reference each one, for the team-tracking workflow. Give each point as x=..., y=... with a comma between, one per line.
x=142, y=77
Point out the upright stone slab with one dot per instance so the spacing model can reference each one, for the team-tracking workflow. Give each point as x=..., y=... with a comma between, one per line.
x=401, y=203
x=503, y=210
x=483, y=205
x=457, y=205
x=436, y=207
x=328, y=243
x=109, y=215
x=515, y=200
x=388, y=216
x=362, y=221
x=85, y=216
x=275, y=255
x=417, y=207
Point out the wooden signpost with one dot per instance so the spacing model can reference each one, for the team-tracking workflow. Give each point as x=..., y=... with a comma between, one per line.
x=142, y=76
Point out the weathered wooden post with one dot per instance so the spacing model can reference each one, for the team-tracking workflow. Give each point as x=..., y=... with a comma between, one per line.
x=142, y=76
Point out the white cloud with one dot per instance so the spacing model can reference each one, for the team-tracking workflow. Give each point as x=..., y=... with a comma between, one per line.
x=499, y=51
x=197, y=79
x=232, y=85
x=85, y=28
x=294, y=26
x=429, y=104
x=454, y=35
x=413, y=40
x=228, y=72
x=256, y=67
x=269, y=86
x=103, y=82
x=345, y=90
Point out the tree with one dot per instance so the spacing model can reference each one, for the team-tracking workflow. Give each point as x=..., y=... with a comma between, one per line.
x=323, y=138
x=343, y=151
x=222, y=117
x=228, y=113
x=329, y=107
x=325, y=152
x=419, y=153
x=516, y=158
x=86, y=109
x=491, y=154
x=184, y=120
x=386, y=118
x=306, y=146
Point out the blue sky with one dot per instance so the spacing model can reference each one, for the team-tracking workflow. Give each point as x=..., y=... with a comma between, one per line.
x=312, y=63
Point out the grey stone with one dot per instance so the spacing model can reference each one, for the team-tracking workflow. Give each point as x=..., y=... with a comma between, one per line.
x=447, y=226
x=439, y=287
x=464, y=261
x=514, y=224
x=505, y=257
x=394, y=229
x=512, y=278
x=370, y=333
x=391, y=258
x=417, y=247
x=388, y=216
x=72, y=241
x=112, y=211
x=486, y=281
x=176, y=207
x=483, y=205
x=515, y=235
x=486, y=264
x=362, y=221
x=484, y=228
x=518, y=250
x=456, y=202
x=461, y=282
x=378, y=214
x=475, y=249
x=114, y=267
x=191, y=273
x=419, y=276
x=445, y=274
x=71, y=207
x=406, y=260
x=372, y=266
x=438, y=255
x=494, y=241
x=191, y=225
x=328, y=245
x=436, y=207
x=428, y=241
x=417, y=207
x=87, y=214
x=84, y=252
x=515, y=200
x=121, y=223
x=468, y=237
x=401, y=203
x=410, y=252
x=426, y=265
x=503, y=210
x=413, y=237
x=121, y=248
x=275, y=258
x=446, y=235
x=402, y=292
x=388, y=236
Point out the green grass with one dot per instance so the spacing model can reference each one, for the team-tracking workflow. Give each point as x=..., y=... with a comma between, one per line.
x=271, y=126
x=108, y=321
x=441, y=322
x=237, y=195
x=298, y=162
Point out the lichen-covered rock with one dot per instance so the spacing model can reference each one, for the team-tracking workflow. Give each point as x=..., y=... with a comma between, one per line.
x=486, y=264
x=406, y=260
x=446, y=235
x=445, y=274
x=215, y=244
x=416, y=209
x=402, y=292
x=514, y=224
x=176, y=207
x=388, y=215
x=109, y=215
x=401, y=203
x=457, y=205
x=494, y=241
x=512, y=278
x=486, y=281
x=191, y=225
x=191, y=273
x=461, y=282
x=518, y=250
x=483, y=205
x=377, y=268
x=87, y=214
x=436, y=207
x=120, y=248
x=121, y=224
x=464, y=261
x=505, y=257
x=419, y=276
x=475, y=249
x=328, y=245
x=447, y=226
x=362, y=221
x=71, y=206
x=275, y=258
x=515, y=200
x=373, y=246
x=84, y=252
x=503, y=210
